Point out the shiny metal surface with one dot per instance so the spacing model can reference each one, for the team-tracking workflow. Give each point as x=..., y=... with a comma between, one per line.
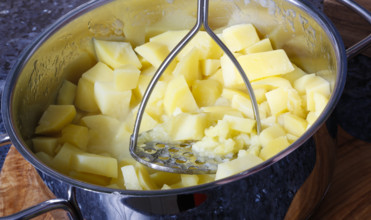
x=4, y=139
x=65, y=50
x=183, y=160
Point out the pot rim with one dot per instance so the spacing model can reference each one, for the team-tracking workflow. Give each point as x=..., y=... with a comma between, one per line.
x=16, y=139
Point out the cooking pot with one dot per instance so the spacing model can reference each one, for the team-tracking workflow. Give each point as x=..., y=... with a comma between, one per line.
x=289, y=185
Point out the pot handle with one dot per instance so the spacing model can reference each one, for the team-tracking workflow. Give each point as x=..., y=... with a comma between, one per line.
x=44, y=207
x=364, y=43
x=4, y=139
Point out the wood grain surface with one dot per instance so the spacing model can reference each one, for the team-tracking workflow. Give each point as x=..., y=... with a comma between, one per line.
x=350, y=25
x=348, y=197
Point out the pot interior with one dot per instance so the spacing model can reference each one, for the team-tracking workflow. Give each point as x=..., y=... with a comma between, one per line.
x=65, y=50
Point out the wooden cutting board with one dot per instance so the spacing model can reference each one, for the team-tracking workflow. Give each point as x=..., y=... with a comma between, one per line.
x=349, y=196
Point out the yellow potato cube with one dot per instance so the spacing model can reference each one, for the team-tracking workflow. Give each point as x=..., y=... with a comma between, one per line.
x=76, y=135
x=45, y=144
x=295, y=74
x=188, y=127
x=178, y=95
x=206, y=46
x=169, y=38
x=90, y=178
x=102, y=132
x=62, y=160
x=244, y=105
x=230, y=93
x=145, y=180
x=99, y=72
x=161, y=178
x=94, y=164
x=188, y=67
x=206, y=92
x=272, y=83
x=189, y=180
x=115, y=54
x=245, y=125
x=55, y=118
x=271, y=133
x=237, y=165
x=238, y=37
x=302, y=83
x=277, y=100
x=215, y=113
x=320, y=102
x=274, y=147
x=67, y=93
x=209, y=66
x=110, y=101
x=126, y=77
x=45, y=158
x=218, y=76
x=154, y=52
x=131, y=179
x=85, y=99
x=261, y=46
x=317, y=86
x=265, y=64
x=294, y=125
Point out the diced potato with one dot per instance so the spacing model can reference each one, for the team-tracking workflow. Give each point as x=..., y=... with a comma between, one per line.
x=67, y=93
x=277, y=100
x=216, y=113
x=189, y=180
x=256, y=66
x=94, y=164
x=161, y=178
x=55, y=118
x=147, y=122
x=294, y=125
x=116, y=54
x=76, y=135
x=209, y=66
x=62, y=160
x=206, y=92
x=317, y=86
x=154, y=52
x=274, y=147
x=206, y=46
x=110, y=101
x=261, y=46
x=230, y=93
x=240, y=124
x=100, y=72
x=143, y=176
x=45, y=144
x=218, y=76
x=90, y=178
x=126, y=77
x=188, y=127
x=231, y=77
x=143, y=82
x=244, y=105
x=44, y=157
x=301, y=83
x=320, y=102
x=238, y=37
x=237, y=165
x=271, y=133
x=188, y=67
x=102, y=130
x=131, y=179
x=178, y=95
x=85, y=99
x=272, y=83
x=295, y=74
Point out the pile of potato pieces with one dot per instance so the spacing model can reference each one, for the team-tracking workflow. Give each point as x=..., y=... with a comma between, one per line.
x=201, y=97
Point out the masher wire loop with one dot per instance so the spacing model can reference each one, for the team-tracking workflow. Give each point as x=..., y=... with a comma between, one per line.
x=202, y=20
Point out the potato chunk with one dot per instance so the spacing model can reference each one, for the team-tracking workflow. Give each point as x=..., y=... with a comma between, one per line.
x=55, y=118
x=67, y=93
x=94, y=164
x=238, y=37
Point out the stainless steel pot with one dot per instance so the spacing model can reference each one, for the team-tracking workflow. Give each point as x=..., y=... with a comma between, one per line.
x=274, y=189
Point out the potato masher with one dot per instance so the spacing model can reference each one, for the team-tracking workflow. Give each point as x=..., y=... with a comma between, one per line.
x=178, y=157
